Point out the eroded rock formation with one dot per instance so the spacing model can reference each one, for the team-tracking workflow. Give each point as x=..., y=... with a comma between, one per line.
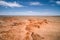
x=16, y=28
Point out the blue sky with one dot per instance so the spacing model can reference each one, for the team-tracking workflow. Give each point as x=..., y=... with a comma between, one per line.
x=30, y=7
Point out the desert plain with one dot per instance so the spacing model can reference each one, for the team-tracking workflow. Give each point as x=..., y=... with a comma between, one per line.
x=29, y=27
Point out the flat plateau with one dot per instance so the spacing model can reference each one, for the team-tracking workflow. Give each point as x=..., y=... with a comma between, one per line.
x=29, y=27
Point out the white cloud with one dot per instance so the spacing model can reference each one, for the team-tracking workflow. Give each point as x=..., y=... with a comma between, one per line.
x=58, y=2
x=10, y=4
x=31, y=13
x=28, y=13
x=35, y=3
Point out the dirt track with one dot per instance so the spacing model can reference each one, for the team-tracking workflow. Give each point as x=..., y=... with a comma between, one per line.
x=29, y=28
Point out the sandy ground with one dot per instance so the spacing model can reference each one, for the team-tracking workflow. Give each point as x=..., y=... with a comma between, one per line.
x=30, y=28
